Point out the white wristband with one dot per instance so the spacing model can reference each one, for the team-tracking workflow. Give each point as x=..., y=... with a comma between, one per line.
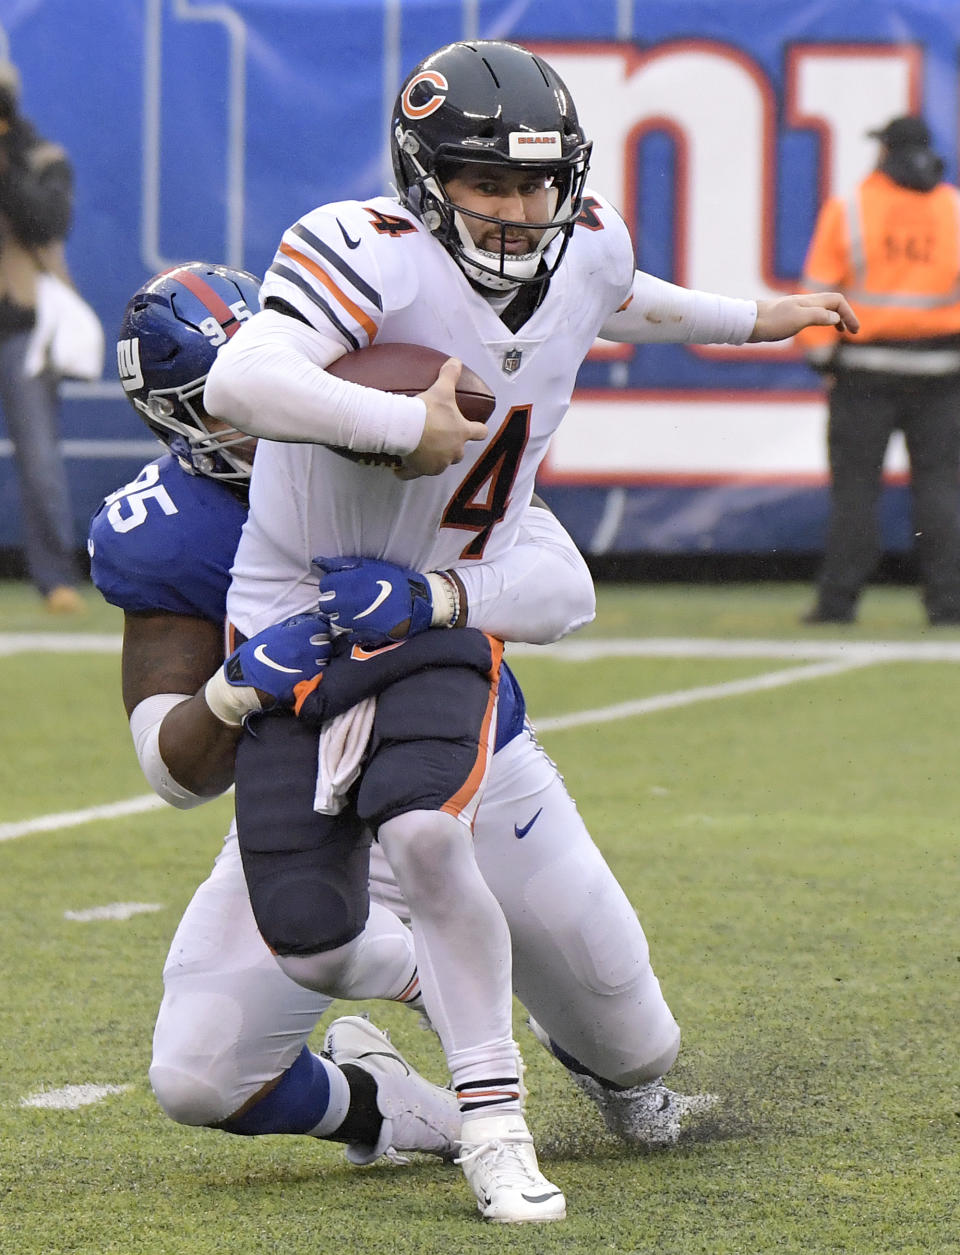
x=446, y=600
x=228, y=702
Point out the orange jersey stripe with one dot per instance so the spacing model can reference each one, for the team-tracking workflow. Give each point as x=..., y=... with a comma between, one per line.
x=318, y=272
x=463, y=795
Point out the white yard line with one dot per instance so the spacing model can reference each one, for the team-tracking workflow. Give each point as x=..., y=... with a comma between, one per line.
x=836, y=657
x=705, y=693
x=704, y=647
x=57, y=643
x=586, y=650
x=71, y=819
x=112, y=911
x=70, y=1097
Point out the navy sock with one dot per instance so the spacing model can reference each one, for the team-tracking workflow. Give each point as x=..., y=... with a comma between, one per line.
x=296, y=1104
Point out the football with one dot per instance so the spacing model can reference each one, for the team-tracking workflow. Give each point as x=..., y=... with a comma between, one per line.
x=407, y=369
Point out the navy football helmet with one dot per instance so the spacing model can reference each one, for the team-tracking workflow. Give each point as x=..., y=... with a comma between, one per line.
x=494, y=102
x=171, y=331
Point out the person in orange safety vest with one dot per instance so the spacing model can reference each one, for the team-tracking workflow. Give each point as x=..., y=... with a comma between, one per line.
x=893, y=249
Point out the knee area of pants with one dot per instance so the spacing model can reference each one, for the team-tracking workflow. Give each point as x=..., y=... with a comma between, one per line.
x=327, y=971
x=187, y=1098
x=653, y=1066
x=425, y=843
x=316, y=917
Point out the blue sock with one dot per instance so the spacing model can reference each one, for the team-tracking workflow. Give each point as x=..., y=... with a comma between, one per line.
x=298, y=1102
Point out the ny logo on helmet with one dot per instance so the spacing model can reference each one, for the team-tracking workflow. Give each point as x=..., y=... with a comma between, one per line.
x=128, y=364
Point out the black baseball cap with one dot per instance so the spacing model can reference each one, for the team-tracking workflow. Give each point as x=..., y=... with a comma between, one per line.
x=909, y=132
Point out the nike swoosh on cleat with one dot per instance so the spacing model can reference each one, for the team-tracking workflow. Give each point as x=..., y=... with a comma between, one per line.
x=540, y=1198
x=261, y=656
x=520, y=833
x=346, y=238
x=386, y=588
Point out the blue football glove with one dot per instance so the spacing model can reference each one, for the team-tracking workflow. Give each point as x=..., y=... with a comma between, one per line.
x=267, y=670
x=378, y=603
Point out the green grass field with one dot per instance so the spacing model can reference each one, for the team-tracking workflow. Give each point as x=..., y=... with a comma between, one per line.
x=792, y=851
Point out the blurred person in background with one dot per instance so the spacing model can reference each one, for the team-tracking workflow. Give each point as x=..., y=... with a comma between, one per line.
x=36, y=199
x=893, y=249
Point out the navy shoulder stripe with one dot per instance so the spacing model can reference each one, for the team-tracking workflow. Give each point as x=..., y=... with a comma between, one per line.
x=318, y=246
x=278, y=268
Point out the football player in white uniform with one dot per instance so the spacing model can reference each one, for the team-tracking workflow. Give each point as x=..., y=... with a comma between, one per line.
x=231, y=1040
x=496, y=254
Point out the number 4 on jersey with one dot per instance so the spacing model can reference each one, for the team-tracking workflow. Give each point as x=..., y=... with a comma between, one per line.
x=481, y=500
x=389, y=224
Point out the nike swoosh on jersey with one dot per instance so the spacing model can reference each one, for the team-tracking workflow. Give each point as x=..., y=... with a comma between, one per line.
x=261, y=656
x=386, y=588
x=520, y=833
x=346, y=238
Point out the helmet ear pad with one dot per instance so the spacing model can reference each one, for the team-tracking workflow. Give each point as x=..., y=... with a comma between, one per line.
x=492, y=102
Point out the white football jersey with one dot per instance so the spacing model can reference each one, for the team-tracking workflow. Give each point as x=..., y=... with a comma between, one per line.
x=369, y=272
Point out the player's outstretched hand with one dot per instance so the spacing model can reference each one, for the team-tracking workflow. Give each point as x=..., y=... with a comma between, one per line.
x=446, y=431
x=376, y=602
x=268, y=669
x=784, y=316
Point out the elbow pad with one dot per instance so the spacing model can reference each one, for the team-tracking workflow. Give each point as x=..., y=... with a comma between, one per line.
x=145, y=721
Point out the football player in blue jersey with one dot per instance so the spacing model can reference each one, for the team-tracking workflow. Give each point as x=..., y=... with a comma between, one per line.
x=230, y=1047
x=161, y=548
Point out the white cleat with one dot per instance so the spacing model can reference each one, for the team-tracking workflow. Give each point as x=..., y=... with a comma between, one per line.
x=500, y=1164
x=645, y=1115
x=648, y=1115
x=416, y=1114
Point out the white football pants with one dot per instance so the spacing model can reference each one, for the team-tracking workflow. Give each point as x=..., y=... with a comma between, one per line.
x=231, y=1021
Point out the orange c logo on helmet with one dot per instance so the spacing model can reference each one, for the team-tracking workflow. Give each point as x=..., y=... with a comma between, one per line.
x=437, y=82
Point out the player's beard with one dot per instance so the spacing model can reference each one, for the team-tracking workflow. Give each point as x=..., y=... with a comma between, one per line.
x=515, y=242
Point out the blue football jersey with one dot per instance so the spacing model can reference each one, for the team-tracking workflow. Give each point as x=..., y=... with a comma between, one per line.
x=511, y=708
x=165, y=542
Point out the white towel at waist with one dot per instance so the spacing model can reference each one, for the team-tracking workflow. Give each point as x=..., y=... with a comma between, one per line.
x=343, y=742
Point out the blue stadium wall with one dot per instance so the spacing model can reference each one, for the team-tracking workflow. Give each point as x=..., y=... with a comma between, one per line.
x=202, y=130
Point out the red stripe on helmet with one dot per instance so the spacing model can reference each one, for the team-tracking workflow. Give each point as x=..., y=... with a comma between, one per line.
x=211, y=299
